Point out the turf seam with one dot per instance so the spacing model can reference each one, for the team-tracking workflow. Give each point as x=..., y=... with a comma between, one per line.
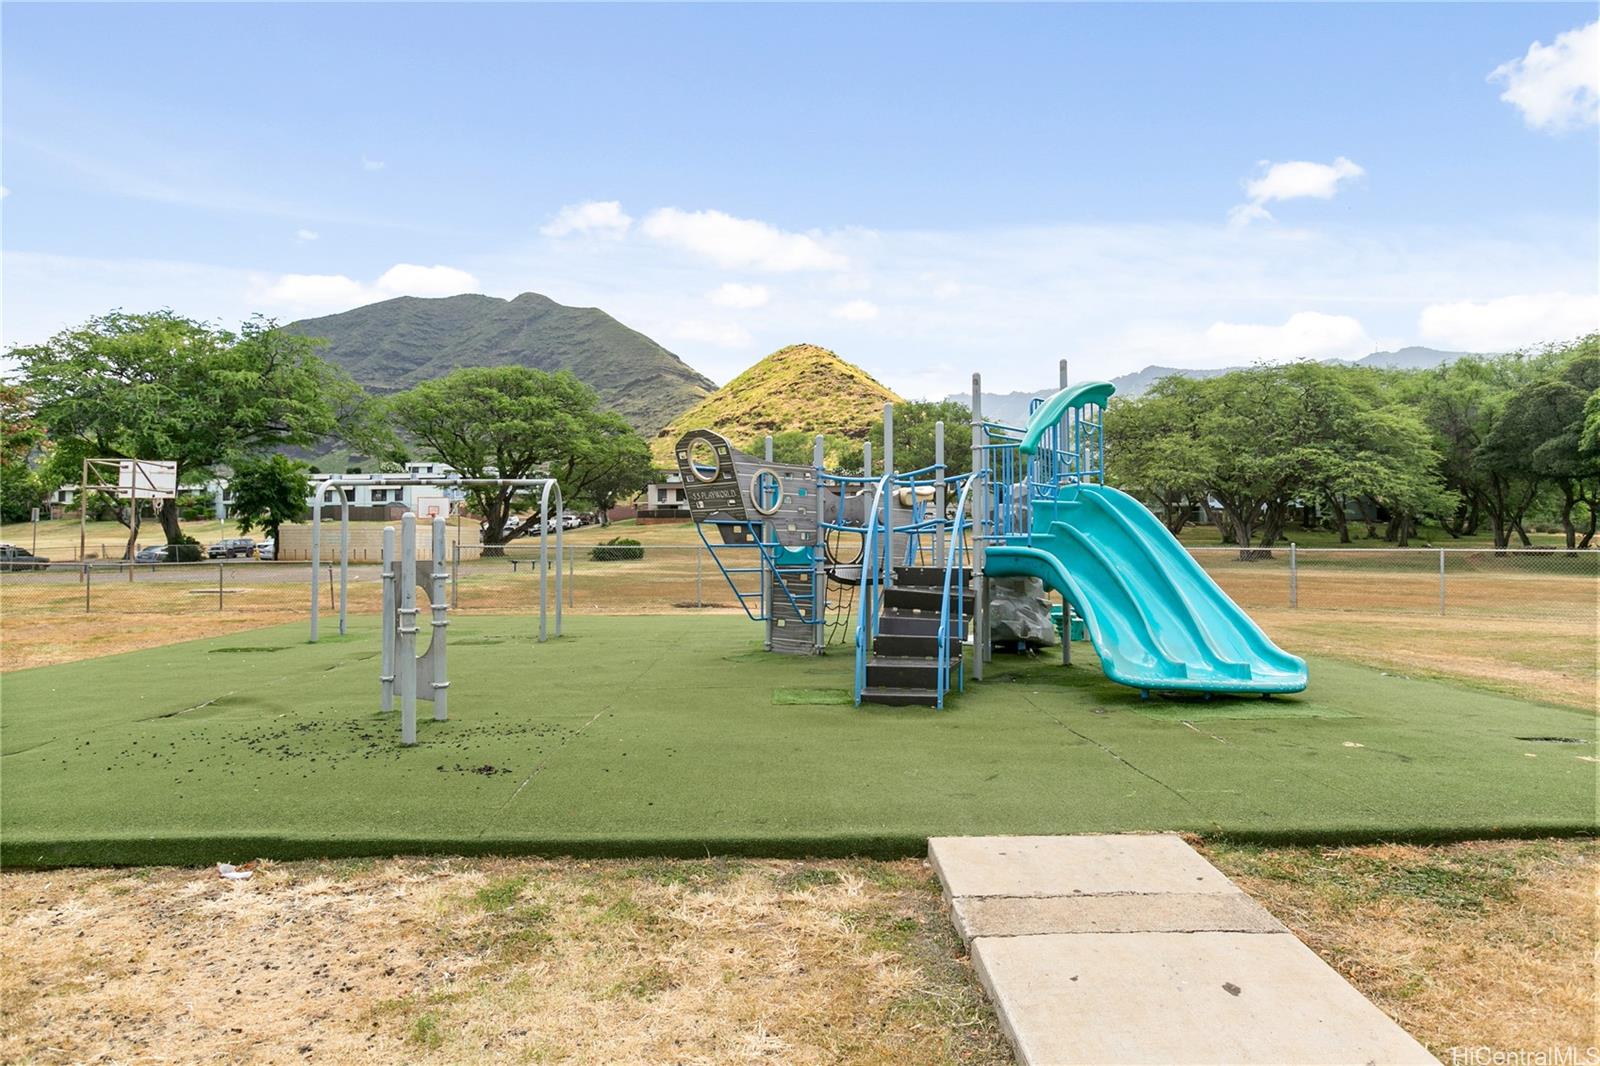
x=1148, y=776
x=536, y=771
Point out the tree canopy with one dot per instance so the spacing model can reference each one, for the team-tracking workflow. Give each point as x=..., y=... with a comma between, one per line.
x=515, y=422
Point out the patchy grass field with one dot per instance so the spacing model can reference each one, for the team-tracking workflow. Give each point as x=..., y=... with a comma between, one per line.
x=1488, y=943
x=461, y=960
x=677, y=735
x=458, y=961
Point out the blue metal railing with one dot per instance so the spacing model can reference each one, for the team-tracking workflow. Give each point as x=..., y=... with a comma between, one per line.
x=955, y=565
x=805, y=604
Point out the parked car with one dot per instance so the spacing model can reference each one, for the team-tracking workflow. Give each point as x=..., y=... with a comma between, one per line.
x=571, y=521
x=267, y=549
x=232, y=548
x=14, y=558
x=156, y=553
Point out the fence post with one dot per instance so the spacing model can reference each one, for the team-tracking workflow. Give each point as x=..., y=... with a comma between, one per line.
x=572, y=572
x=699, y=600
x=1294, y=577
x=219, y=587
x=1441, y=582
x=88, y=579
x=455, y=572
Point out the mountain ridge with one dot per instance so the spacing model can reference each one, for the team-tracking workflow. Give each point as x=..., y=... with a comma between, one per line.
x=1012, y=407
x=394, y=344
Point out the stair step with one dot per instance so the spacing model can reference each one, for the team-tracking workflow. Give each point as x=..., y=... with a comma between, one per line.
x=900, y=697
x=898, y=645
x=922, y=599
x=885, y=671
x=930, y=577
x=917, y=624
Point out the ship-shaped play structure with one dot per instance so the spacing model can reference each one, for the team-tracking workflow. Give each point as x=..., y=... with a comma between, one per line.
x=899, y=563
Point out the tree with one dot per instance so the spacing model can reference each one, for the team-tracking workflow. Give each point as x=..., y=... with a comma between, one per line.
x=159, y=386
x=268, y=491
x=914, y=438
x=1153, y=450
x=21, y=435
x=515, y=422
x=788, y=446
x=1538, y=435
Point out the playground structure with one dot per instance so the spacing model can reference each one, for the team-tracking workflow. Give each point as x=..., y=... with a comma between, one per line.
x=1035, y=506
x=424, y=676
x=452, y=483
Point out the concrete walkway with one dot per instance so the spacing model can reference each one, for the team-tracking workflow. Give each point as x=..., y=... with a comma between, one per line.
x=1135, y=949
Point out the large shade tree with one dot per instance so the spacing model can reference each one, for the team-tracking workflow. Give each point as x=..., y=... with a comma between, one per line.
x=515, y=422
x=160, y=386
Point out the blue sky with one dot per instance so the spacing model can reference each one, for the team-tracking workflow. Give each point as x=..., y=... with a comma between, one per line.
x=927, y=189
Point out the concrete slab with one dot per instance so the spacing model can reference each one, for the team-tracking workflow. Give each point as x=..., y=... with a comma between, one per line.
x=1174, y=912
x=1066, y=865
x=1236, y=998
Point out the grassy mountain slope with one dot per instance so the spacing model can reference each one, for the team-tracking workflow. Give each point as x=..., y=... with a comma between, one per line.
x=801, y=387
x=397, y=343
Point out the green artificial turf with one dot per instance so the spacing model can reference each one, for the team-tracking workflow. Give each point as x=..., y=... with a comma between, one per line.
x=671, y=736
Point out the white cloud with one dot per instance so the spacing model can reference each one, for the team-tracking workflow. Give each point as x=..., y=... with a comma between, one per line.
x=371, y=164
x=4, y=192
x=336, y=291
x=604, y=218
x=1296, y=180
x=856, y=311
x=1556, y=86
x=1304, y=335
x=733, y=294
x=306, y=234
x=740, y=242
x=720, y=334
x=316, y=290
x=1510, y=322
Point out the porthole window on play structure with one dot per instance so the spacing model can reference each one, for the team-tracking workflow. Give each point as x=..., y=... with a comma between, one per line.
x=766, y=491
x=703, y=460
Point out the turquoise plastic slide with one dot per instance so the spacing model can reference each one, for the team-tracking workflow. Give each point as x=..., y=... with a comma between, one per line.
x=1155, y=617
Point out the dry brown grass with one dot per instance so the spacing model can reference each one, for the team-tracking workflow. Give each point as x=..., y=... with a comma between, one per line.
x=475, y=960
x=1465, y=945
x=1532, y=636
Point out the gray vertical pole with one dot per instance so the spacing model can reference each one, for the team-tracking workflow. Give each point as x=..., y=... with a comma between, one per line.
x=1441, y=582
x=767, y=577
x=819, y=572
x=699, y=601
x=1294, y=577
x=561, y=532
x=440, y=623
x=87, y=581
x=544, y=562
x=572, y=575
x=316, y=554
x=889, y=553
x=1066, y=605
x=455, y=569
x=344, y=556
x=406, y=630
x=388, y=623
x=938, y=493
x=219, y=587
x=866, y=459
x=980, y=621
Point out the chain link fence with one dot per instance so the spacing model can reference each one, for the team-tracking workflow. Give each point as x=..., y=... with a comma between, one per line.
x=74, y=610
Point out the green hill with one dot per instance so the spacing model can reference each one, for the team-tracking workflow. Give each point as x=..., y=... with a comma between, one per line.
x=801, y=387
x=397, y=343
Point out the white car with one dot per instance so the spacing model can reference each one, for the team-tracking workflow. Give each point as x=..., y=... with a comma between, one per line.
x=267, y=549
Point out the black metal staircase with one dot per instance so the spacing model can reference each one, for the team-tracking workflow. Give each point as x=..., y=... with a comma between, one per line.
x=903, y=669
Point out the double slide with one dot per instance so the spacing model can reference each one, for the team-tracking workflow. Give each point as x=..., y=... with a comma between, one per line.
x=1155, y=617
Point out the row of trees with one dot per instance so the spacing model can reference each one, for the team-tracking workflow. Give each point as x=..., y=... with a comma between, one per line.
x=159, y=386
x=1478, y=445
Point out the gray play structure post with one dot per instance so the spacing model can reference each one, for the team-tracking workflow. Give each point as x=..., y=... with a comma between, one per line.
x=819, y=578
x=938, y=493
x=406, y=630
x=402, y=667
x=386, y=678
x=979, y=505
x=890, y=555
x=766, y=538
